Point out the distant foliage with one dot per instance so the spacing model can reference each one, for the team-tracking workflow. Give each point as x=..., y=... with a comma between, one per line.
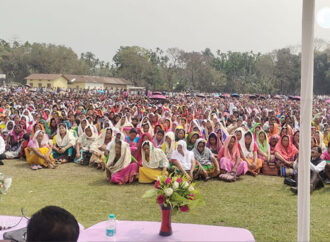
x=174, y=69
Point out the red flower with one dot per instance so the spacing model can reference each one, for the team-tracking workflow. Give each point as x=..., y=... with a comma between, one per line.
x=184, y=208
x=160, y=199
x=168, y=180
x=157, y=184
x=191, y=196
x=179, y=180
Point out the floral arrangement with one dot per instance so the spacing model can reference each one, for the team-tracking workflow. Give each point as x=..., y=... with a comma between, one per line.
x=5, y=183
x=177, y=192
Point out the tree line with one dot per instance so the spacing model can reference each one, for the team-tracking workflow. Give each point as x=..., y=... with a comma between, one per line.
x=277, y=72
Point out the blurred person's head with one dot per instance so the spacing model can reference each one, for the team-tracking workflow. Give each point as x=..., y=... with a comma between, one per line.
x=52, y=224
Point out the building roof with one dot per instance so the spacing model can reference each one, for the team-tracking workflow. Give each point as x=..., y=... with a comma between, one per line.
x=96, y=79
x=80, y=79
x=38, y=76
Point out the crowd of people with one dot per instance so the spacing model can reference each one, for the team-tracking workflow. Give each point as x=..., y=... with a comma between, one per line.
x=133, y=138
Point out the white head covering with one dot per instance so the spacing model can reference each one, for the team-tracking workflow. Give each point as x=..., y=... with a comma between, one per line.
x=157, y=157
x=124, y=160
x=44, y=140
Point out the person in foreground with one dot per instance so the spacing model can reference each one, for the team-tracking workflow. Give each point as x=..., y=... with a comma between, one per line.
x=317, y=167
x=52, y=224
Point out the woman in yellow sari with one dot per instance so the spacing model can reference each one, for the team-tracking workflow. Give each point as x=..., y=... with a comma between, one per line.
x=154, y=163
x=39, y=152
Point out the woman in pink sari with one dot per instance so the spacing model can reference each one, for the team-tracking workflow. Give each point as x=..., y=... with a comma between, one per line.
x=230, y=161
x=121, y=167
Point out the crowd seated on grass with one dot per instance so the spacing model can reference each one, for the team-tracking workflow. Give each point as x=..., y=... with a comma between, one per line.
x=135, y=139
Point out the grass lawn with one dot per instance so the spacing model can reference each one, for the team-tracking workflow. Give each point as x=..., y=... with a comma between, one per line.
x=262, y=205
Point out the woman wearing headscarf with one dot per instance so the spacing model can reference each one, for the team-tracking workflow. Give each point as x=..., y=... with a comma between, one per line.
x=180, y=133
x=83, y=146
x=52, y=128
x=15, y=141
x=295, y=139
x=154, y=163
x=230, y=161
x=169, y=144
x=184, y=160
x=63, y=143
x=191, y=140
x=121, y=167
x=39, y=152
x=98, y=148
x=214, y=144
x=159, y=138
x=249, y=153
x=209, y=166
x=263, y=146
x=286, y=154
x=37, y=127
x=144, y=137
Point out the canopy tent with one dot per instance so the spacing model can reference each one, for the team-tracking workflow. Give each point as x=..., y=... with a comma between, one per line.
x=158, y=97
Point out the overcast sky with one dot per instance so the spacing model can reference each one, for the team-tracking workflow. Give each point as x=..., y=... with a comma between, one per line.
x=102, y=26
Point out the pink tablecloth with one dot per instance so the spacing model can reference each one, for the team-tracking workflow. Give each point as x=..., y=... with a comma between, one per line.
x=12, y=220
x=148, y=231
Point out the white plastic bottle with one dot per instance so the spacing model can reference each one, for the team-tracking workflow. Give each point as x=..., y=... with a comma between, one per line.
x=111, y=228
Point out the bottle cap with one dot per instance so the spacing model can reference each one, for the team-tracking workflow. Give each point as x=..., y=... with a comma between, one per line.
x=112, y=215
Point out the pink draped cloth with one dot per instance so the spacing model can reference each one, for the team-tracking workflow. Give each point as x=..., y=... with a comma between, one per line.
x=123, y=176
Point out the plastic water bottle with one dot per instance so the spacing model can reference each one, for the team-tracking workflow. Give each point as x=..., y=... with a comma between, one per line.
x=111, y=228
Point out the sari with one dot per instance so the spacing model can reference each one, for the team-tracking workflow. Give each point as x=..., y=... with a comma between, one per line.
x=98, y=154
x=204, y=157
x=31, y=157
x=60, y=142
x=217, y=146
x=288, y=153
x=85, y=143
x=138, y=156
x=150, y=170
x=185, y=160
x=228, y=157
x=169, y=148
x=248, y=153
x=190, y=146
x=263, y=146
x=123, y=169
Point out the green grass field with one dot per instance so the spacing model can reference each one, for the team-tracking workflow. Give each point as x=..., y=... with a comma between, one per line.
x=262, y=205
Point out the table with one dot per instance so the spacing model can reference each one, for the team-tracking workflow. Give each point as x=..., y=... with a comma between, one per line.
x=148, y=231
x=13, y=220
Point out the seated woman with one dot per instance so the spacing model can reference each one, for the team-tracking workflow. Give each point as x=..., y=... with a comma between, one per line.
x=63, y=143
x=52, y=128
x=39, y=152
x=99, y=147
x=230, y=160
x=83, y=146
x=144, y=137
x=191, y=140
x=184, y=160
x=154, y=163
x=209, y=166
x=159, y=138
x=121, y=167
x=133, y=140
x=249, y=153
x=169, y=144
x=214, y=144
x=263, y=146
x=15, y=141
x=180, y=134
x=286, y=154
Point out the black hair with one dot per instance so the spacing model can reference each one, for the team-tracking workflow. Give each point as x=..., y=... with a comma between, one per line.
x=145, y=143
x=248, y=134
x=62, y=124
x=161, y=131
x=52, y=224
x=133, y=131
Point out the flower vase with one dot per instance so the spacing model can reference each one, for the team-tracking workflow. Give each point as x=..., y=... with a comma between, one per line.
x=166, y=229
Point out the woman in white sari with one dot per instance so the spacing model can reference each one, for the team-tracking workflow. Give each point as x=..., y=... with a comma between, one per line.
x=63, y=144
x=154, y=163
x=98, y=149
x=183, y=159
x=83, y=146
x=121, y=167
